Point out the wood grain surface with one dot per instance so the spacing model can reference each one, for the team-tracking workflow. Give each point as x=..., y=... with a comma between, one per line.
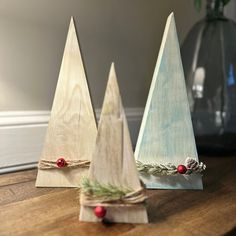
x=166, y=133
x=113, y=158
x=26, y=210
x=72, y=130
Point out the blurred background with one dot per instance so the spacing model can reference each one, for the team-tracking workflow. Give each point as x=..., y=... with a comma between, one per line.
x=32, y=39
x=33, y=35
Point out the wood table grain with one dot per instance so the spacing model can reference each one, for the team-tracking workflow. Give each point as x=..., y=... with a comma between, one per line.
x=26, y=210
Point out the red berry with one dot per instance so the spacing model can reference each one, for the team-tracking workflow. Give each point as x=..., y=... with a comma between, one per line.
x=181, y=169
x=100, y=211
x=61, y=162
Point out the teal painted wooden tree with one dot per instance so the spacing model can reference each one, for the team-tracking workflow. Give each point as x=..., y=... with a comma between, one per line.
x=166, y=133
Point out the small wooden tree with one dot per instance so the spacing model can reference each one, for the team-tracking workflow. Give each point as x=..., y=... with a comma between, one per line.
x=113, y=183
x=72, y=127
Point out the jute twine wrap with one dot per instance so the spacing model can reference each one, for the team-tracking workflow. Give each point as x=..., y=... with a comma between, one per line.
x=131, y=198
x=112, y=196
x=45, y=164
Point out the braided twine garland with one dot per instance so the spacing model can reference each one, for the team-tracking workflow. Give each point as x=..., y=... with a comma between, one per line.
x=169, y=169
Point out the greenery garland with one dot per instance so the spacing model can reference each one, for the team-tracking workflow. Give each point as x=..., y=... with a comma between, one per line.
x=192, y=166
x=156, y=169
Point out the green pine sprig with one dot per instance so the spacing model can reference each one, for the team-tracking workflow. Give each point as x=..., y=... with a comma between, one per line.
x=94, y=189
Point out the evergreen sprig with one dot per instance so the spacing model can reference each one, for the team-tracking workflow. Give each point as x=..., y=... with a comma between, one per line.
x=94, y=189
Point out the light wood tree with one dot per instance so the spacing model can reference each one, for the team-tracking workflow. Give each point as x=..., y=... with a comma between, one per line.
x=113, y=158
x=166, y=133
x=72, y=127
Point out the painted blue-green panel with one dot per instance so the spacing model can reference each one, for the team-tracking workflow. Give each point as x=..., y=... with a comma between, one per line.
x=166, y=133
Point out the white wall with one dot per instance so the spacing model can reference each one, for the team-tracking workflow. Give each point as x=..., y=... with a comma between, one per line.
x=33, y=33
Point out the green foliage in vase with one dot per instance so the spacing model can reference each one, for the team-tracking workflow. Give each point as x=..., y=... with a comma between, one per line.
x=198, y=4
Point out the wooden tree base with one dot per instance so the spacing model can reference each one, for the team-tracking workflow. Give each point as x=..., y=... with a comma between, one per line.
x=132, y=214
x=192, y=181
x=69, y=177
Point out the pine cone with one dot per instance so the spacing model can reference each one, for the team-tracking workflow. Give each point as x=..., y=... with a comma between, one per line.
x=192, y=164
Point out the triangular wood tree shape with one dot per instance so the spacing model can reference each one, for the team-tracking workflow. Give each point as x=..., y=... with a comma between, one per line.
x=72, y=129
x=113, y=158
x=166, y=133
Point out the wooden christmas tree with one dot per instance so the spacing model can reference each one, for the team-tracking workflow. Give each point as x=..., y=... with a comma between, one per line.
x=72, y=127
x=166, y=152
x=113, y=189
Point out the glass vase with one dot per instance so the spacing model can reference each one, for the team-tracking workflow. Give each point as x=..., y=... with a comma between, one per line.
x=209, y=61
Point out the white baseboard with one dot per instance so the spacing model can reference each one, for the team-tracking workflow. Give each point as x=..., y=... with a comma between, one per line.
x=22, y=134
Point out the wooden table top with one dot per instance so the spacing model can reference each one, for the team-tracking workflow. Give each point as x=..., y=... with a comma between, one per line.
x=26, y=210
